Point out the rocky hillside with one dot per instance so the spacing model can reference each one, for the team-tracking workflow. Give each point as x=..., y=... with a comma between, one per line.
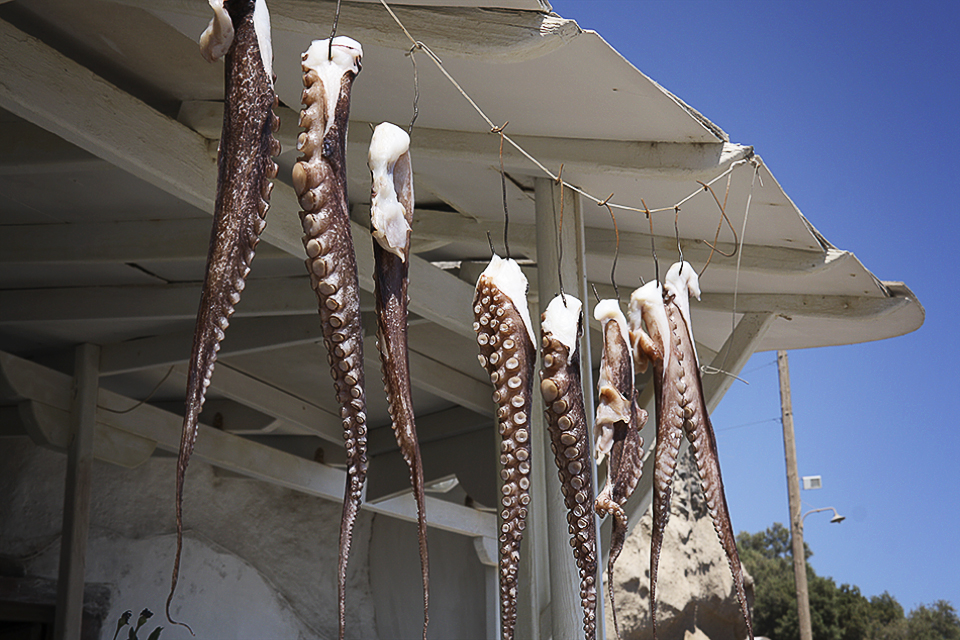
x=695, y=594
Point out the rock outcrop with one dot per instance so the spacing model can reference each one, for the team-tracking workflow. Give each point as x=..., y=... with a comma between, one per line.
x=695, y=594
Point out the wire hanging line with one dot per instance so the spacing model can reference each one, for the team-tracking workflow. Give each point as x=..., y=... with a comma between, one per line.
x=141, y=402
x=727, y=173
x=495, y=129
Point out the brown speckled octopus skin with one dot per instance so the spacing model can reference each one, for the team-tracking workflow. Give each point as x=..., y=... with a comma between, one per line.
x=685, y=410
x=509, y=356
x=625, y=464
x=562, y=392
x=319, y=178
x=390, y=281
x=681, y=409
x=244, y=171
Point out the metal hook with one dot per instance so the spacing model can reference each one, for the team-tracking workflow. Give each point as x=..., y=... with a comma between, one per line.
x=653, y=244
x=616, y=253
x=503, y=186
x=416, y=85
x=723, y=218
x=563, y=297
x=493, y=251
x=676, y=229
x=333, y=32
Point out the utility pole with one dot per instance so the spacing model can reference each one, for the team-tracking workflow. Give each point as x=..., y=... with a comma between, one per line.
x=793, y=492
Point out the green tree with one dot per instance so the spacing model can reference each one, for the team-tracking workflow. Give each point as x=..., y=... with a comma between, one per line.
x=836, y=612
x=937, y=622
x=887, y=621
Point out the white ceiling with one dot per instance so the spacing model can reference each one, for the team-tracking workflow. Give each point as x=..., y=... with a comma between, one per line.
x=85, y=74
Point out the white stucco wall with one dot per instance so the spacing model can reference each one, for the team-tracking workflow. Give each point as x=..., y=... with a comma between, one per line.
x=259, y=560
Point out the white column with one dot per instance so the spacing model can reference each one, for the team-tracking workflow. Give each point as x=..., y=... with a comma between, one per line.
x=566, y=617
x=76, y=503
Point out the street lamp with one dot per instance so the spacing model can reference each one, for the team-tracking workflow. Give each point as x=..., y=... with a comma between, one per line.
x=793, y=495
x=837, y=518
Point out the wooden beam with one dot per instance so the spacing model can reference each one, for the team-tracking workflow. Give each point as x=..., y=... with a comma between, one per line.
x=76, y=502
x=49, y=426
x=321, y=418
x=577, y=155
x=264, y=297
x=435, y=226
x=106, y=242
x=439, y=379
x=439, y=425
x=504, y=34
x=733, y=356
x=250, y=335
x=24, y=380
x=54, y=92
x=246, y=335
x=794, y=304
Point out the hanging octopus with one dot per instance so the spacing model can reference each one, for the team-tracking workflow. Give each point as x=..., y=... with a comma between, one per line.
x=240, y=31
x=562, y=391
x=617, y=430
x=391, y=214
x=320, y=180
x=681, y=409
x=508, y=354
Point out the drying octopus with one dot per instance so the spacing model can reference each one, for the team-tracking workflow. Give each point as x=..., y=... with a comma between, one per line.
x=508, y=354
x=562, y=391
x=320, y=180
x=391, y=214
x=617, y=429
x=240, y=31
x=681, y=410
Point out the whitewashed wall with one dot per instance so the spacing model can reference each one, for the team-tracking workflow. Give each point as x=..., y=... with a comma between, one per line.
x=259, y=560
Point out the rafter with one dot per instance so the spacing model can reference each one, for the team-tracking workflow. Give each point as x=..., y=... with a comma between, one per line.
x=247, y=335
x=54, y=92
x=22, y=380
x=580, y=156
x=494, y=30
x=436, y=226
x=273, y=297
x=320, y=416
x=105, y=242
x=795, y=304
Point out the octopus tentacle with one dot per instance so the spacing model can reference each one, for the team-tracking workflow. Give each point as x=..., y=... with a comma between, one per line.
x=508, y=354
x=562, y=391
x=391, y=215
x=319, y=178
x=244, y=170
x=647, y=308
x=617, y=429
x=696, y=420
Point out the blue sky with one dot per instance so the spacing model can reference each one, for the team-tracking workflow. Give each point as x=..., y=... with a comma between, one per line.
x=854, y=107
